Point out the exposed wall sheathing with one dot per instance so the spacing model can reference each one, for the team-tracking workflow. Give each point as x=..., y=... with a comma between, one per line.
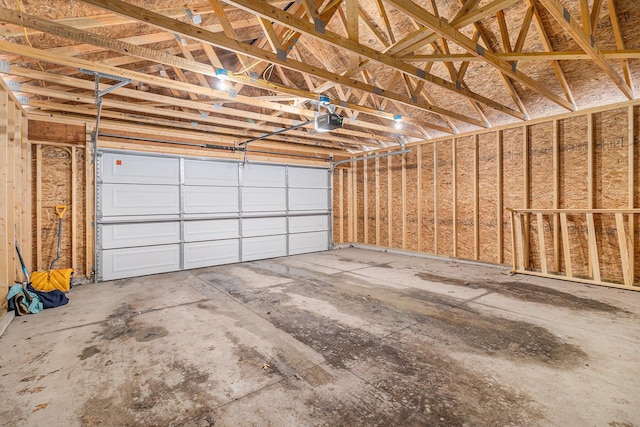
x=574, y=188
x=15, y=191
x=371, y=183
x=487, y=194
x=575, y=161
x=411, y=201
x=444, y=192
x=60, y=178
x=56, y=187
x=360, y=197
x=465, y=206
x=513, y=188
x=383, y=205
x=397, y=212
x=347, y=202
x=635, y=189
x=541, y=185
x=428, y=211
x=339, y=216
x=611, y=182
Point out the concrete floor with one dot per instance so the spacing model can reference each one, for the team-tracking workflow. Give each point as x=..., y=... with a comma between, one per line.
x=350, y=337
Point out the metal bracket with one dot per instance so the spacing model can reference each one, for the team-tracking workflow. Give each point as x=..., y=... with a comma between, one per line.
x=114, y=87
x=123, y=81
x=196, y=18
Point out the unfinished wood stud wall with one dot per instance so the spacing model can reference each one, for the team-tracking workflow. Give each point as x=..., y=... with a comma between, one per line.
x=60, y=179
x=15, y=190
x=62, y=174
x=451, y=196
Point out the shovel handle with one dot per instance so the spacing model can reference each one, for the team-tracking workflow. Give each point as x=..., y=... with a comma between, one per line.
x=60, y=210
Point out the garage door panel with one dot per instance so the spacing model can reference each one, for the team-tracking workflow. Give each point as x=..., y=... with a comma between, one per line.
x=201, y=199
x=211, y=230
x=211, y=173
x=204, y=254
x=263, y=176
x=133, y=169
x=301, y=224
x=307, y=177
x=131, y=262
x=308, y=199
x=165, y=213
x=139, y=234
x=133, y=199
x=308, y=242
x=254, y=248
x=264, y=199
x=263, y=226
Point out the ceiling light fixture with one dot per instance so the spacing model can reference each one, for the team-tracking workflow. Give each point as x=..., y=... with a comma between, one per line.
x=398, y=119
x=222, y=76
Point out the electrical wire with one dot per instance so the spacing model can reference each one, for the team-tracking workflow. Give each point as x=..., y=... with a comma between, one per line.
x=266, y=74
x=26, y=35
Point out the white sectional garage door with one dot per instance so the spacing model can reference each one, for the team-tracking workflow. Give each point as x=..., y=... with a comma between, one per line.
x=157, y=214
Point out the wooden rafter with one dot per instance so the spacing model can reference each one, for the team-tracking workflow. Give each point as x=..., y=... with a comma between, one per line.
x=199, y=34
x=353, y=20
x=99, y=21
x=451, y=33
x=586, y=17
x=619, y=41
x=428, y=36
x=163, y=58
x=414, y=93
x=480, y=34
x=595, y=12
x=524, y=30
x=237, y=129
x=387, y=23
x=368, y=22
x=373, y=59
x=458, y=77
x=312, y=10
x=565, y=55
x=227, y=27
x=504, y=31
x=271, y=35
x=284, y=18
x=586, y=42
x=76, y=63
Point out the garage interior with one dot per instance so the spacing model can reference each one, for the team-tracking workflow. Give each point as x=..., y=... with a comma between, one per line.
x=330, y=212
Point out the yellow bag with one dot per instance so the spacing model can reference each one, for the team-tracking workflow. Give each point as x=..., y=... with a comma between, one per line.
x=53, y=279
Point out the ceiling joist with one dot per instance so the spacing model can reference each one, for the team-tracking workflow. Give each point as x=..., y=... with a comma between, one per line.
x=199, y=34
x=355, y=48
x=439, y=66
x=586, y=42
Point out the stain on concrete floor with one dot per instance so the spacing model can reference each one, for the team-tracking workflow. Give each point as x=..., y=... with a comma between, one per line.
x=87, y=352
x=527, y=292
x=275, y=345
x=439, y=386
x=430, y=384
x=122, y=323
x=145, y=401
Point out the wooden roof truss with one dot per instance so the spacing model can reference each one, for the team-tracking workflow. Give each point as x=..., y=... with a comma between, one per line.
x=441, y=66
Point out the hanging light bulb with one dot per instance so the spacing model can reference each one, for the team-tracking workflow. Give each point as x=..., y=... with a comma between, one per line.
x=221, y=74
x=398, y=119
